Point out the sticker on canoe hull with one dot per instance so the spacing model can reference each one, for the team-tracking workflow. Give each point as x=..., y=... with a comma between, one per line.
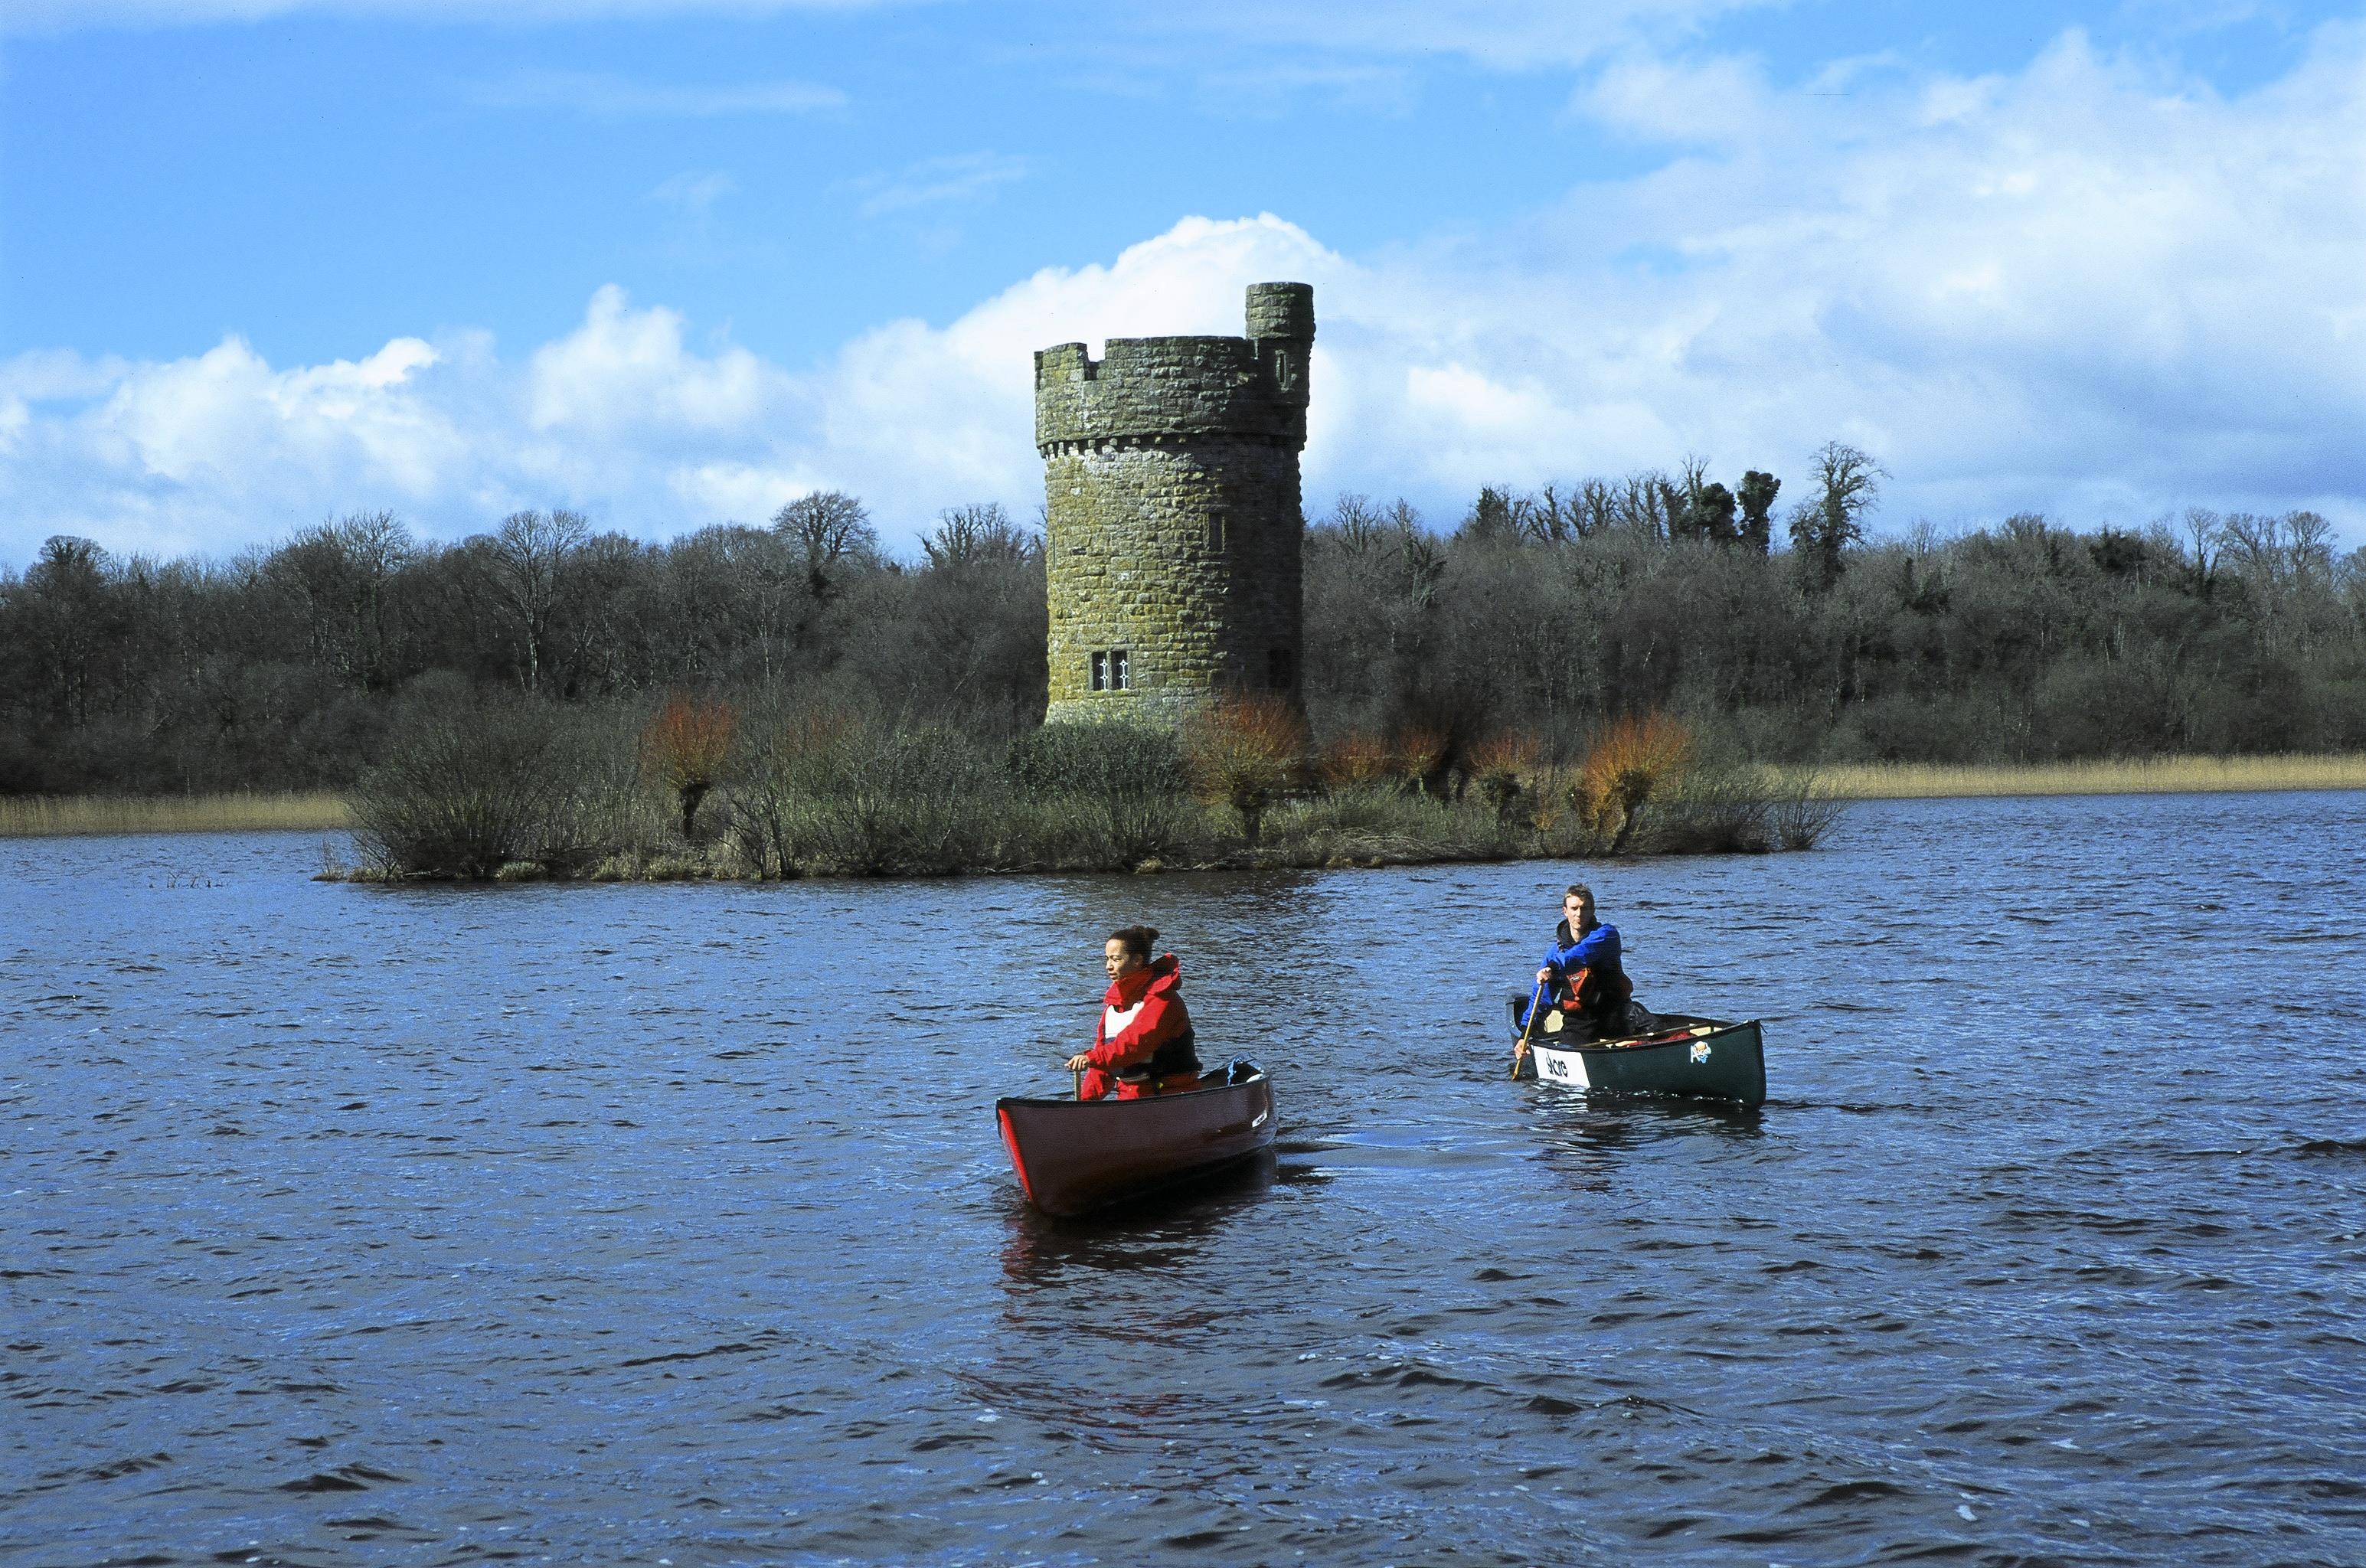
x=1563, y=1069
x=1700, y=1052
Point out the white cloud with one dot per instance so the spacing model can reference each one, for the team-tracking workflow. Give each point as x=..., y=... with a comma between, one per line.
x=2082, y=287
x=1273, y=88
x=63, y=16
x=938, y=182
x=596, y=93
x=1722, y=101
x=1514, y=35
x=693, y=192
x=624, y=372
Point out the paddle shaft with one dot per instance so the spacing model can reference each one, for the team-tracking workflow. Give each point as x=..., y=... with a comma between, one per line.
x=1520, y=1051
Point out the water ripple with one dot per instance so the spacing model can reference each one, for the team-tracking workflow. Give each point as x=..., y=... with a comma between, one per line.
x=668, y=1225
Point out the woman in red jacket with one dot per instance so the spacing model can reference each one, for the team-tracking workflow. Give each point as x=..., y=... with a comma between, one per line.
x=1143, y=1042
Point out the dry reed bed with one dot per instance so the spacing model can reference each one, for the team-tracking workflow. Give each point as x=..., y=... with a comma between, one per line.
x=38, y=816
x=2159, y=775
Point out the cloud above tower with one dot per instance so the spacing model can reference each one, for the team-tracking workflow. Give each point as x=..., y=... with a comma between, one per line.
x=2088, y=286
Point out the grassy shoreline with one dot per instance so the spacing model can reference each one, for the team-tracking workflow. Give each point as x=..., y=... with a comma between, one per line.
x=97, y=816
x=321, y=811
x=2157, y=775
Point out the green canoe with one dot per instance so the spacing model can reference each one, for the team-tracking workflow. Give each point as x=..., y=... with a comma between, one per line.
x=1704, y=1057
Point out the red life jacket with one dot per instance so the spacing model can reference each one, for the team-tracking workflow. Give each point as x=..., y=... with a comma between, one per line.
x=1144, y=1025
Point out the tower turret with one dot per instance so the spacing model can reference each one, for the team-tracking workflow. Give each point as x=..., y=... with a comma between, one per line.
x=1281, y=325
x=1173, y=535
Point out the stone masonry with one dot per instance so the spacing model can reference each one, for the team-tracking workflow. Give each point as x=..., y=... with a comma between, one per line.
x=1174, y=536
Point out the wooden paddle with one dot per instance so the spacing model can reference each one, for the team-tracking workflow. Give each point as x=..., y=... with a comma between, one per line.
x=1520, y=1051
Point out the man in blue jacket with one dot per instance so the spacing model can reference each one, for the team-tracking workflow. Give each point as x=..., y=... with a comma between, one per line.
x=1583, y=975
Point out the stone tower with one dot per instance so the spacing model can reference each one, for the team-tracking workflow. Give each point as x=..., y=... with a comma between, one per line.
x=1173, y=537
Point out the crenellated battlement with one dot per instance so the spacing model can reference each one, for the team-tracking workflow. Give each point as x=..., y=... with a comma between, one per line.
x=1184, y=388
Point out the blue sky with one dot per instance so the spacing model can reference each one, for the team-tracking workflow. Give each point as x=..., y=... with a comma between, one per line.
x=672, y=261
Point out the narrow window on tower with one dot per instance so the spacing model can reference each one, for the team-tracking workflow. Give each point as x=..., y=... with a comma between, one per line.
x=1279, y=673
x=1118, y=681
x=1217, y=537
x=1100, y=672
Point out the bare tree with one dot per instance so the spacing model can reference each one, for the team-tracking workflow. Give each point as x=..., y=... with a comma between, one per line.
x=527, y=559
x=1491, y=518
x=1358, y=523
x=976, y=534
x=1421, y=560
x=1848, y=481
x=1640, y=502
x=1547, y=517
x=589, y=625
x=1698, y=507
x=2308, y=540
x=828, y=526
x=1680, y=498
x=2286, y=567
x=2206, y=537
x=73, y=619
x=341, y=576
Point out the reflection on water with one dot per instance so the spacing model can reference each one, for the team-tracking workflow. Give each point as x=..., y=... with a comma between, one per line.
x=1158, y=1232
x=1589, y=1135
x=642, y=1225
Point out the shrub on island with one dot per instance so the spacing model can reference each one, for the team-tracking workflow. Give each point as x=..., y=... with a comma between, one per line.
x=487, y=788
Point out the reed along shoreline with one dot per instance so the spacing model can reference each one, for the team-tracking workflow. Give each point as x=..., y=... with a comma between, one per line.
x=323, y=811
x=102, y=816
x=2156, y=775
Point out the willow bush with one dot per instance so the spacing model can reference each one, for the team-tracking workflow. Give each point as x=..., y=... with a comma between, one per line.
x=685, y=749
x=1632, y=759
x=1802, y=811
x=1500, y=767
x=1118, y=793
x=828, y=793
x=1718, y=808
x=1245, y=752
x=494, y=788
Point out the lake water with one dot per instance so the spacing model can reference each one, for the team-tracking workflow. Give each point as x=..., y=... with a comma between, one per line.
x=668, y=1224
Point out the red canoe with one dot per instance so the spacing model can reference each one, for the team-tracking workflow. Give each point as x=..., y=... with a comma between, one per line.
x=1073, y=1155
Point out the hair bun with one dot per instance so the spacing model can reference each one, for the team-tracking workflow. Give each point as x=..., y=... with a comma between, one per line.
x=1138, y=940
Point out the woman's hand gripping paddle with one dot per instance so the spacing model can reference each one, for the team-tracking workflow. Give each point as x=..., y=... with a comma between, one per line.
x=1520, y=1051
